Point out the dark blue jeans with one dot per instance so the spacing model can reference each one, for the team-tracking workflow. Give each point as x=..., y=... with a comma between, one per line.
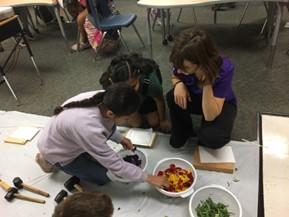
x=86, y=168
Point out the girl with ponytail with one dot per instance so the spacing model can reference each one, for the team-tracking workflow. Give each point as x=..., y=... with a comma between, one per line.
x=145, y=77
x=75, y=139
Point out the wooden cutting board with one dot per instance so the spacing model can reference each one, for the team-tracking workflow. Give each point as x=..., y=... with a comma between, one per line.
x=218, y=167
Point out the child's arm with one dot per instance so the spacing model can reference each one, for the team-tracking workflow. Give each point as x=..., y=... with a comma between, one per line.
x=161, y=108
x=181, y=93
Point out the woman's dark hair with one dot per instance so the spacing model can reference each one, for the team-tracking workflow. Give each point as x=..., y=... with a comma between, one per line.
x=196, y=46
x=85, y=204
x=121, y=99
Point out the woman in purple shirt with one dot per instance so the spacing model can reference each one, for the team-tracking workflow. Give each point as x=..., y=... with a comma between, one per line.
x=202, y=81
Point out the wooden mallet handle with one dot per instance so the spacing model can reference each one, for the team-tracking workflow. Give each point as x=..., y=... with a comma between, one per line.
x=4, y=185
x=35, y=190
x=31, y=199
x=78, y=188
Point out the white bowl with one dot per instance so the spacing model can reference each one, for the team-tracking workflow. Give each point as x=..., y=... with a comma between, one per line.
x=218, y=194
x=179, y=162
x=122, y=153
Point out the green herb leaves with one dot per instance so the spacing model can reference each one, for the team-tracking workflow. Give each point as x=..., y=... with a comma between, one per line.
x=210, y=209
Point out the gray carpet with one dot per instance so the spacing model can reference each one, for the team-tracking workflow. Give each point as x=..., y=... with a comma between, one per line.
x=258, y=88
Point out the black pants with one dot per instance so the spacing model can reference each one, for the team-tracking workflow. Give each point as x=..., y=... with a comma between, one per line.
x=213, y=134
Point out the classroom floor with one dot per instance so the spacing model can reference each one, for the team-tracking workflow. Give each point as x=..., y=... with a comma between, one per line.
x=258, y=88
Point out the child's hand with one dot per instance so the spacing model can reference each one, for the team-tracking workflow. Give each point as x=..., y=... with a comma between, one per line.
x=127, y=144
x=165, y=126
x=159, y=181
x=181, y=95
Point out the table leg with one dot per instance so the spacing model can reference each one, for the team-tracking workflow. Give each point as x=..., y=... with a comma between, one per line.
x=56, y=11
x=149, y=33
x=165, y=41
x=169, y=35
x=275, y=35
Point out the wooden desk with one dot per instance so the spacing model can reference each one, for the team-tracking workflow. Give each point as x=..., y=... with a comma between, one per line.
x=274, y=138
x=167, y=4
x=53, y=3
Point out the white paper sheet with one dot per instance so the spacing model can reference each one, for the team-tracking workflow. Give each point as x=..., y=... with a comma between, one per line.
x=221, y=155
x=26, y=133
x=140, y=136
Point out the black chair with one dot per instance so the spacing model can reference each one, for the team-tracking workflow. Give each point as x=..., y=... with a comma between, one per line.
x=12, y=27
x=111, y=22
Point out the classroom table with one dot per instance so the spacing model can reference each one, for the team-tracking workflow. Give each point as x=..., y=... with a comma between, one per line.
x=134, y=199
x=168, y=4
x=53, y=3
x=274, y=166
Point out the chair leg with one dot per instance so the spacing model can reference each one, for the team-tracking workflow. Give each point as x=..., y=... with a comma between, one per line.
x=155, y=19
x=57, y=15
x=179, y=16
x=31, y=21
x=195, y=16
x=68, y=20
x=263, y=26
x=122, y=40
x=215, y=16
x=138, y=35
x=32, y=58
x=8, y=85
x=243, y=14
x=97, y=49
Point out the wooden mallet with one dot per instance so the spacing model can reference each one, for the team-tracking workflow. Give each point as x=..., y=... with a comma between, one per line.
x=13, y=193
x=18, y=183
x=60, y=196
x=73, y=184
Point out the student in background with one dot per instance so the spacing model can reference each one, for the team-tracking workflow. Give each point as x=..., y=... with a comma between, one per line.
x=75, y=139
x=85, y=204
x=77, y=8
x=145, y=77
x=202, y=84
x=89, y=36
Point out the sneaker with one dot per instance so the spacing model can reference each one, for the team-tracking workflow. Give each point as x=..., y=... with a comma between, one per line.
x=80, y=47
x=286, y=25
x=44, y=165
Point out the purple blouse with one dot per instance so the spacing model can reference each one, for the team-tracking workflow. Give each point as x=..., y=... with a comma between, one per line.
x=222, y=87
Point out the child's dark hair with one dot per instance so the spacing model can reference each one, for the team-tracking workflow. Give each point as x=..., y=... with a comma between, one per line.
x=121, y=69
x=85, y=204
x=125, y=67
x=121, y=99
x=196, y=46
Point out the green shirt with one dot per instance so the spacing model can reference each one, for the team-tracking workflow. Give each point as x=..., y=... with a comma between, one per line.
x=154, y=88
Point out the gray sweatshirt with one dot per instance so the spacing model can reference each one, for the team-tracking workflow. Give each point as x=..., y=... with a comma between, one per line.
x=78, y=130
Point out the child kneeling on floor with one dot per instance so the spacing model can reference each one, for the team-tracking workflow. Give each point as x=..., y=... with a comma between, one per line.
x=144, y=76
x=75, y=139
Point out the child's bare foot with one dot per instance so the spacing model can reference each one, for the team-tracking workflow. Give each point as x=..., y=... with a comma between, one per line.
x=45, y=166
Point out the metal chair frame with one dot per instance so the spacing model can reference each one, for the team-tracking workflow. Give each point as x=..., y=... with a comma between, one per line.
x=94, y=15
x=11, y=27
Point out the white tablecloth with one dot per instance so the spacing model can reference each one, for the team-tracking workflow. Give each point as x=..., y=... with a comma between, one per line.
x=133, y=200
